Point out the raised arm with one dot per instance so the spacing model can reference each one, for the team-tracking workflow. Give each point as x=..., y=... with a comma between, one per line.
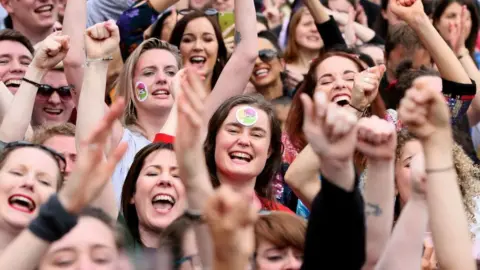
x=237, y=71
x=318, y=10
x=424, y=111
x=447, y=62
x=303, y=176
x=18, y=117
x=404, y=248
x=377, y=141
x=74, y=26
x=85, y=183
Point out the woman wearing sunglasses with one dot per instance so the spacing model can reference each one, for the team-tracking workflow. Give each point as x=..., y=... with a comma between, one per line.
x=202, y=47
x=267, y=73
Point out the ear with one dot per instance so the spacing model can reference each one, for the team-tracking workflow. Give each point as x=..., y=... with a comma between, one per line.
x=7, y=5
x=132, y=200
x=282, y=62
x=384, y=14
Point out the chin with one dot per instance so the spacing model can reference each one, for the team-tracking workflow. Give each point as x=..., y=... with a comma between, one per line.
x=18, y=221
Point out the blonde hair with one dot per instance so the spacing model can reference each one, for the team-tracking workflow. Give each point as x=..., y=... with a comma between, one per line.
x=124, y=85
x=468, y=174
x=44, y=133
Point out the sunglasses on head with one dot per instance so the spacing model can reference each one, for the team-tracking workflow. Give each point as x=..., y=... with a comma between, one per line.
x=207, y=12
x=45, y=91
x=61, y=161
x=267, y=55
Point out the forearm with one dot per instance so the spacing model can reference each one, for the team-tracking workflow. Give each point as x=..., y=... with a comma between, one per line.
x=364, y=33
x=404, y=249
x=170, y=126
x=378, y=207
x=91, y=107
x=470, y=67
x=19, y=114
x=318, y=10
x=24, y=253
x=447, y=216
x=303, y=176
x=342, y=173
x=237, y=71
x=446, y=60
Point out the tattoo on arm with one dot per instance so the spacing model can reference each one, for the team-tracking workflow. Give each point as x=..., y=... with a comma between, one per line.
x=238, y=37
x=372, y=209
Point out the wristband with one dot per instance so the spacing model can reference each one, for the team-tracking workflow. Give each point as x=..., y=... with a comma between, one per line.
x=439, y=170
x=363, y=112
x=104, y=59
x=53, y=221
x=193, y=215
x=164, y=138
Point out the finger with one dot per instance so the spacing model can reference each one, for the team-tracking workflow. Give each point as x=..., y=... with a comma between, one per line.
x=307, y=104
x=427, y=254
x=187, y=113
x=320, y=104
x=192, y=99
x=112, y=27
x=196, y=83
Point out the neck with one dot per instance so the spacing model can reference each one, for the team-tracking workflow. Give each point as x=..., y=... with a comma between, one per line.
x=305, y=57
x=238, y=184
x=34, y=35
x=273, y=90
x=6, y=237
x=149, y=238
x=151, y=123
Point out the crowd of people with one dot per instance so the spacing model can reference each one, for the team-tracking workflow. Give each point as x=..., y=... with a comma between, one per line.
x=239, y=134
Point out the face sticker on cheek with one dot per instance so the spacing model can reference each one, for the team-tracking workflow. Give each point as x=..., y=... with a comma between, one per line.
x=141, y=91
x=247, y=116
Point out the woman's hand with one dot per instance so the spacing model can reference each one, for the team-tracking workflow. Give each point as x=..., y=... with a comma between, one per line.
x=376, y=138
x=102, y=39
x=190, y=127
x=407, y=10
x=231, y=220
x=365, y=86
x=458, y=34
x=424, y=111
x=92, y=169
x=349, y=29
x=177, y=82
x=51, y=51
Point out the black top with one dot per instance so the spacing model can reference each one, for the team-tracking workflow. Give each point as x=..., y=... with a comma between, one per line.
x=335, y=236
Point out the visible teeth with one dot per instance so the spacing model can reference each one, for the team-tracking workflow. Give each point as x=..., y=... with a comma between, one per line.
x=341, y=98
x=313, y=38
x=44, y=8
x=197, y=59
x=22, y=201
x=240, y=155
x=54, y=111
x=163, y=198
x=13, y=83
x=260, y=72
x=161, y=92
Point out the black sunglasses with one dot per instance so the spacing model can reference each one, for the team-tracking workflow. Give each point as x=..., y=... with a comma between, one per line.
x=61, y=161
x=45, y=90
x=267, y=55
x=208, y=11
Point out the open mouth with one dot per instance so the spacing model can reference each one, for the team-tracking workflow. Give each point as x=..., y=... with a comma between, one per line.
x=163, y=203
x=341, y=100
x=22, y=203
x=197, y=61
x=161, y=93
x=13, y=83
x=241, y=156
x=44, y=9
x=313, y=38
x=261, y=73
x=53, y=112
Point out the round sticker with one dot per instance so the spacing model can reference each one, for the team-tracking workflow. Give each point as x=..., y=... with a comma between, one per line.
x=247, y=116
x=141, y=91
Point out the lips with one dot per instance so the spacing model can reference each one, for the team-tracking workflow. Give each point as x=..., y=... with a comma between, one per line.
x=240, y=157
x=341, y=99
x=44, y=9
x=163, y=202
x=13, y=83
x=22, y=203
x=53, y=111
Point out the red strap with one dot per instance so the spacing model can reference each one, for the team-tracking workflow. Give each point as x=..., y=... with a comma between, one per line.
x=165, y=138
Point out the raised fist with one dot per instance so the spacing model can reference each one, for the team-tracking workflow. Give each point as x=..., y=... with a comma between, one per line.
x=102, y=39
x=51, y=51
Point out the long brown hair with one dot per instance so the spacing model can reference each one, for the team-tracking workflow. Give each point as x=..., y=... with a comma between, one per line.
x=263, y=184
x=294, y=121
x=281, y=229
x=129, y=210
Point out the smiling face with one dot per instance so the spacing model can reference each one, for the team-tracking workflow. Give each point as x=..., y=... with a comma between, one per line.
x=14, y=61
x=335, y=76
x=159, y=194
x=271, y=257
x=376, y=53
x=266, y=73
x=242, y=151
x=155, y=69
x=402, y=169
x=223, y=5
x=306, y=33
x=199, y=4
x=53, y=109
x=89, y=245
x=452, y=16
x=37, y=15
x=27, y=179
x=64, y=145
x=199, y=46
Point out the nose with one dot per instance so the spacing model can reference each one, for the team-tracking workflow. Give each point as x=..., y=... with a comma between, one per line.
x=69, y=166
x=17, y=67
x=292, y=263
x=340, y=83
x=164, y=181
x=54, y=98
x=28, y=182
x=244, y=139
x=84, y=263
x=198, y=45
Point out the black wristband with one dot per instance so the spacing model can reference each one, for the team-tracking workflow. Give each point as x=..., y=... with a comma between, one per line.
x=53, y=221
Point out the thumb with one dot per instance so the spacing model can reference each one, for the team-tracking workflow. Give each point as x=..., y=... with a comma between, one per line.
x=307, y=105
x=112, y=27
x=351, y=15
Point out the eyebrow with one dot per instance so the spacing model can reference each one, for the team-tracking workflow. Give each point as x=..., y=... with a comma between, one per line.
x=408, y=158
x=158, y=167
x=203, y=34
x=238, y=125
